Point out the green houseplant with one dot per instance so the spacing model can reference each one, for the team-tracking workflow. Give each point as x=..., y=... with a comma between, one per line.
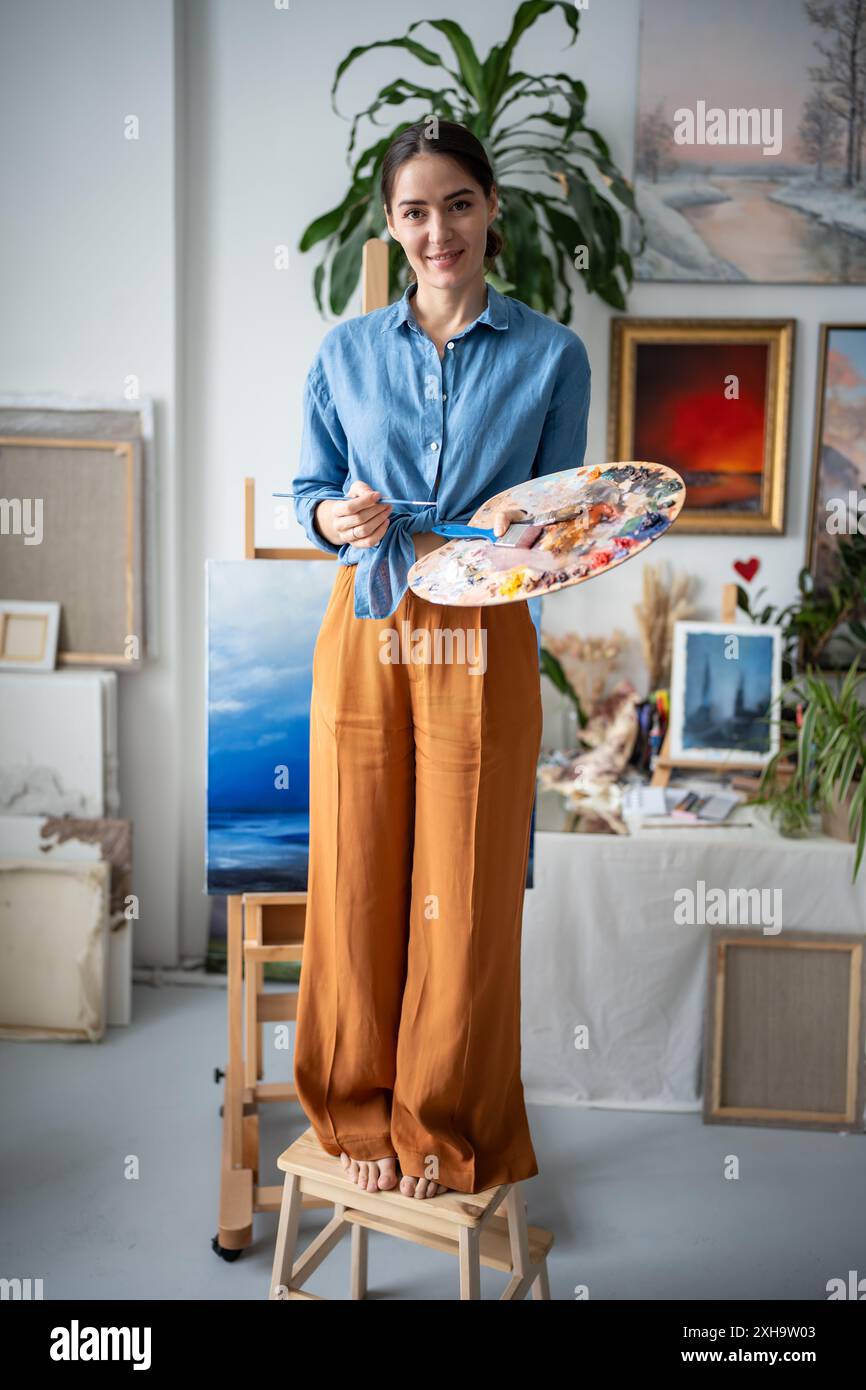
x=568, y=219
x=813, y=618
x=830, y=746
x=553, y=668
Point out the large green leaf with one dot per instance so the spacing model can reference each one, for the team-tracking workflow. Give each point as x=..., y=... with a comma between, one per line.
x=498, y=59
x=424, y=55
x=553, y=143
x=346, y=268
x=471, y=71
x=330, y=222
x=396, y=93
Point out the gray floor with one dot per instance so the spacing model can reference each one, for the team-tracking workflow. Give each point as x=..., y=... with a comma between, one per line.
x=638, y=1202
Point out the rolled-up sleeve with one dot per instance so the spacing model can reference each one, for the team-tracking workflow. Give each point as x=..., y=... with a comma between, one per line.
x=324, y=464
x=563, y=437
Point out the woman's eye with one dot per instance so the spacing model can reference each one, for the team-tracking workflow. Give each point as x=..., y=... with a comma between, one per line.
x=458, y=203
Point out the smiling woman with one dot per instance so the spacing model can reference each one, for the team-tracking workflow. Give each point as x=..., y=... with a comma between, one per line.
x=407, y=1046
x=442, y=220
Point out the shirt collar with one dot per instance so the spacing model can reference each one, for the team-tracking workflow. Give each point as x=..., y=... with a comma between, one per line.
x=495, y=315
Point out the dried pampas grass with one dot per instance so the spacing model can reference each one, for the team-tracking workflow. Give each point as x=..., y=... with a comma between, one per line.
x=664, y=603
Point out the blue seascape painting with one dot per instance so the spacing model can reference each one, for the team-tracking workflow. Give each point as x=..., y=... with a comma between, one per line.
x=263, y=618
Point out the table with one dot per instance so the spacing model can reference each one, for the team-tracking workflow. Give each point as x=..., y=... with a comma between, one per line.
x=601, y=948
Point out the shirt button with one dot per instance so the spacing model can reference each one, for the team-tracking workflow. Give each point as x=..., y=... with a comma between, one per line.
x=449, y=345
x=444, y=395
x=434, y=446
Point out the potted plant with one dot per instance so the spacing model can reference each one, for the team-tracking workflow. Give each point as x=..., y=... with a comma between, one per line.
x=563, y=217
x=816, y=616
x=830, y=745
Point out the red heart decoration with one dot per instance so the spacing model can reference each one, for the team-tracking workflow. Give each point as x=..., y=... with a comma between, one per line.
x=748, y=568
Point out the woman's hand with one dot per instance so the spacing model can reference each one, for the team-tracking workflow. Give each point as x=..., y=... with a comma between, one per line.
x=357, y=519
x=503, y=518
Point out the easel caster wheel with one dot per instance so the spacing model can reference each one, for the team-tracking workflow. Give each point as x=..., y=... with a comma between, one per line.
x=218, y=1075
x=229, y=1255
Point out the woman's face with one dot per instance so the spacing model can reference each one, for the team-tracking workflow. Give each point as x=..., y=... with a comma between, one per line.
x=440, y=217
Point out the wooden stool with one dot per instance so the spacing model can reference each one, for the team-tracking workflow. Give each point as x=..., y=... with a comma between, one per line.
x=463, y=1224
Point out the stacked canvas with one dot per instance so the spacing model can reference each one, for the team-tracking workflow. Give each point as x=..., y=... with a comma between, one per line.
x=65, y=857
x=78, y=553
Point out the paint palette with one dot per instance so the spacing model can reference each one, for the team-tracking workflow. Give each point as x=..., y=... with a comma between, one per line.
x=621, y=509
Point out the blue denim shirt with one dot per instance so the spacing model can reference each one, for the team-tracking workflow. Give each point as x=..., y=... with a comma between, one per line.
x=508, y=401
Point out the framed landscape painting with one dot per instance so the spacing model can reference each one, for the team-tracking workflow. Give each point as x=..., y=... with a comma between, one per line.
x=709, y=398
x=748, y=162
x=837, y=522
x=724, y=680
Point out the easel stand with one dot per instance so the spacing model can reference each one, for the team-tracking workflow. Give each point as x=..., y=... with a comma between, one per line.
x=261, y=927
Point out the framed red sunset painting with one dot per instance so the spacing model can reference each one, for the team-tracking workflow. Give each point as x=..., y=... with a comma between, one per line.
x=711, y=399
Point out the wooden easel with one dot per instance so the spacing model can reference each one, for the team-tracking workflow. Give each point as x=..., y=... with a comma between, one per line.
x=264, y=927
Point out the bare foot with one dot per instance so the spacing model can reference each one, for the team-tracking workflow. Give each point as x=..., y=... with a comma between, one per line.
x=371, y=1173
x=420, y=1187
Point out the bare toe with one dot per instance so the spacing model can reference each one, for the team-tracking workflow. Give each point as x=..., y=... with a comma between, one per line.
x=387, y=1173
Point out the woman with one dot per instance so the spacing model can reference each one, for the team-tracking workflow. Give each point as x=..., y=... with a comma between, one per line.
x=422, y=773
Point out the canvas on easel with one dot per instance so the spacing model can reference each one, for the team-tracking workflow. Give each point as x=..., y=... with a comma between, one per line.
x=263, y=617
x=724, y=682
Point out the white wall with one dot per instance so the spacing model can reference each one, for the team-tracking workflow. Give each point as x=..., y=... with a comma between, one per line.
x=98, y=244
x=88, y=261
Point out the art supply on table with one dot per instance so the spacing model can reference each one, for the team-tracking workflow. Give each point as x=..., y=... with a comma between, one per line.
x=666, y=823
x=685, y=806
x=698, y=805
x=655, y=738
x=643, y=801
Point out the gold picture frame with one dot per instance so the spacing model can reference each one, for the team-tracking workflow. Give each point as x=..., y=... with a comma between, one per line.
x=836, y=656
x=683, y=395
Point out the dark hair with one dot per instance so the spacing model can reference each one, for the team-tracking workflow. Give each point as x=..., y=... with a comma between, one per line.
x=452, y=139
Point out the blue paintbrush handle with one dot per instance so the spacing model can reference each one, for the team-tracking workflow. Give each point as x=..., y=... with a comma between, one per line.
x=454, y=528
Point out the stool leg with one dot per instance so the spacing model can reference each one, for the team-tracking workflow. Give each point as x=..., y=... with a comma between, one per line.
x=358, y=1277
x=260, y=1028
x=541, y=1285
x=287, y=1237
x=470, y=1263
x=524, y=1274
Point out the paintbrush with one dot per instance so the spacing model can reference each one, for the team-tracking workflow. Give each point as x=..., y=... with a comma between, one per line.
x=520, y=533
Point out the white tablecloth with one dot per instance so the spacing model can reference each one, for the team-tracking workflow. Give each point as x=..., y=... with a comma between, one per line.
x=601, y=948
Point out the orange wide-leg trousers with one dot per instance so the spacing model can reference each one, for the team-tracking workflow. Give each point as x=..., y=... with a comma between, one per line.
x=422, y=778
